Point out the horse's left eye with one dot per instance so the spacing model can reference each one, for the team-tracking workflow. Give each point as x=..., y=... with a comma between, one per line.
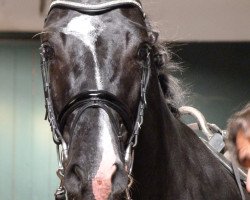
x=143, y=51
x=47, y=51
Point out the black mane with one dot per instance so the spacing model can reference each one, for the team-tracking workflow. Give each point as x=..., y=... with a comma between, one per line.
x=167, y=69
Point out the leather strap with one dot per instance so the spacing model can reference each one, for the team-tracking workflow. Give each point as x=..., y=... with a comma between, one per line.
x=238, y=181
x=96, y=99
x=95, y=8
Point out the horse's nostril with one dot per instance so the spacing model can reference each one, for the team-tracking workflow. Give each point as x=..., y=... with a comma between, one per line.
x=119, y=179
x=77, y=175
x=115, y=169
x=77, y=172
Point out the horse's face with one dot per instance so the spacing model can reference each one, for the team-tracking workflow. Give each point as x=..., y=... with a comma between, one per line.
x=94, y=52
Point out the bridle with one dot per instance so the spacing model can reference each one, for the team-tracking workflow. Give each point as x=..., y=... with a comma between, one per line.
x=96, y=8
x=95, y=99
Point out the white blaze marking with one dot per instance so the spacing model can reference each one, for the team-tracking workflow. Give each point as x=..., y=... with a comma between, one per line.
x=102, y=185
x=87, y=29
x=108, y=154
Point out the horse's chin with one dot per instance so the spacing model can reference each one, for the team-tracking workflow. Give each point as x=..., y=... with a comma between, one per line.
x=90, y=197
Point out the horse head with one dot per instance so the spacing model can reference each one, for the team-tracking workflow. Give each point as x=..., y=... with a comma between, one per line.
x=96, y=67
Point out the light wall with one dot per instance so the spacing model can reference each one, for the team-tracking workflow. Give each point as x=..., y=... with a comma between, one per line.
x=27, y=153
x=177, y=20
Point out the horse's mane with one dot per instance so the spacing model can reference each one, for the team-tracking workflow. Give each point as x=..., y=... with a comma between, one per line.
x=167, y=68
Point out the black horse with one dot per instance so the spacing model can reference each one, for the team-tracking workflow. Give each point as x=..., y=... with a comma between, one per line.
x=107, y=79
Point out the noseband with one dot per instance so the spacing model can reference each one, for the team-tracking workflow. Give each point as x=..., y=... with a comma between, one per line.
x=95, y=99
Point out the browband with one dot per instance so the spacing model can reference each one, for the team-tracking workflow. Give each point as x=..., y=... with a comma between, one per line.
x=94, y=8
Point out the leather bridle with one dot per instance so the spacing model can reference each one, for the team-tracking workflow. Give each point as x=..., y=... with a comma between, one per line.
x=95, y=99
x=96, y=8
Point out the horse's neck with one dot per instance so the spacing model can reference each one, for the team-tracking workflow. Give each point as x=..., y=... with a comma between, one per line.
x=172, y=163
x=152, y=154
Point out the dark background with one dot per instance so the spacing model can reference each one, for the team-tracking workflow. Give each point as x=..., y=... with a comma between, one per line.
x=217, y=76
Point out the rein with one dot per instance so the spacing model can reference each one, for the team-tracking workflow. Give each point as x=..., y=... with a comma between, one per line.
x=95, y=99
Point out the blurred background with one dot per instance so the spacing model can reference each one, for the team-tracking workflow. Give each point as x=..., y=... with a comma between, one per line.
x=211, y=39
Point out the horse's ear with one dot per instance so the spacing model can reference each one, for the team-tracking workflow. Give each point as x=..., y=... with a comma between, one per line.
x=153, y=37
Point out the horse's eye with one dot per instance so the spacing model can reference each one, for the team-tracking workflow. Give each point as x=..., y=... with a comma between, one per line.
x=47, y=51
x=143, y=52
